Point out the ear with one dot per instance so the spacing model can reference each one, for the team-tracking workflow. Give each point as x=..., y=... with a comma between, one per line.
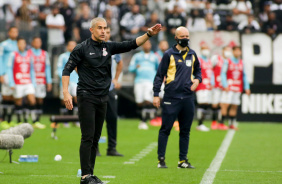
x=91, y=30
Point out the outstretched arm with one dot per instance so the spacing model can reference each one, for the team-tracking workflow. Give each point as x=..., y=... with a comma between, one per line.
x=152, y=31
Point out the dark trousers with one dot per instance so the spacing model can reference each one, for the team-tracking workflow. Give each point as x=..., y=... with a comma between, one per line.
x=111, y=119
x=183, y=109
x=91, y=112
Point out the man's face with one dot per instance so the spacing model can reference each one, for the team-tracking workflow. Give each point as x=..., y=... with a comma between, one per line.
x=99, y=31
x=163, y=46
x=237, y=52
x=21, y=45
x=36, y=43
x=147, y=46
x=181, y=34
x=108, y=34
x=71, y=45
x=13, y=33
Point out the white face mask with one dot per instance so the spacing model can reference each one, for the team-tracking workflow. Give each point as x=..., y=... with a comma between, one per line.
x=227, y=54
x=206, y=52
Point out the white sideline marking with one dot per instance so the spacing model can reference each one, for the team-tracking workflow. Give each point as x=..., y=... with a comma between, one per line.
x=109, y=176
x=142, y=153
x=210, y=173
x=226, y=170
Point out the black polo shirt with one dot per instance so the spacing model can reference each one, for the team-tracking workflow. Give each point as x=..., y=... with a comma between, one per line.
x=93, y=61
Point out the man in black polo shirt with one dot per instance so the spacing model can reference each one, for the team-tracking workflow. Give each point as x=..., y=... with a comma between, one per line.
x=93, y=61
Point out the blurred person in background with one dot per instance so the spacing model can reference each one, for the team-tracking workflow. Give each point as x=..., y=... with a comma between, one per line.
x=196, y=22
x=210, y=24
x=81, y=30
x=263, y=15
x=63, y=59
x=204, y=89
x=131, y=23
x=217, y=62
x=20, y=69
x=6, y=48
x=228, y=24
x=154, y=19
x=44, y=10
x=56, y=26
x=112, y=113
x=24, y=21
x=249, y=26
x=173, y=20
x=241, y=9
x=272, y=27
x=126, y=7
x=43, y=77
x=144, y=65
x=234, y=82
x=113, y=24
x=69, y=15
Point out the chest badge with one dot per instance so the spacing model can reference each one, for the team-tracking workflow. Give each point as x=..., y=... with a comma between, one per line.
x=105, y=52
x=188, y=63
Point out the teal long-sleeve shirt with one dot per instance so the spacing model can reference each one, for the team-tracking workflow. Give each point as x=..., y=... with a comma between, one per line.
x=10, y=66
x=6, y=48
x=223, y=74
x=63, y=59
x=37, y=52
x=145, y=66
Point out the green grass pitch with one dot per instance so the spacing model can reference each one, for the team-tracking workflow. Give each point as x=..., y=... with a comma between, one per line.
x=254, y=156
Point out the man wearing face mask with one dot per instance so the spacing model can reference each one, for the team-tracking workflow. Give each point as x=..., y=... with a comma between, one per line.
x=204, y=90
x=234, y=81
x=217, y=62
x=181, y=68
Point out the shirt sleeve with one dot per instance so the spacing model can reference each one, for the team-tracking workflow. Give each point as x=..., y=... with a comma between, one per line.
x=32, y=73
x=161, y=73
x=117, y=58
x=197, y=68
x=10, y=66
x=223, y=74
x=75, y=58
x=133, y=64
x=121, y=47
x=245, y=81
x=48, y=69
x=212, y=79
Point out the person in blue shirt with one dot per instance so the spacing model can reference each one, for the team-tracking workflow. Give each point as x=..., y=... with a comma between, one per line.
x=144, y=65
x=181, y=68
x=20, y=70
x=63, y=59
x=234, y=81
x=42, y=70
x=111, y=115
x=6, y=48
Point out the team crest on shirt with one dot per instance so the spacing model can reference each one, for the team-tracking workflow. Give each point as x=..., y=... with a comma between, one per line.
x=188, y=63
x=105, y=52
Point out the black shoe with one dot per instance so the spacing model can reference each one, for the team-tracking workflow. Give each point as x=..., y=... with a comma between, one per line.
x=98, y=154
x=161, y=163
x=113, y=152
x=98, y=181
x=185, y=164
x=88, y=180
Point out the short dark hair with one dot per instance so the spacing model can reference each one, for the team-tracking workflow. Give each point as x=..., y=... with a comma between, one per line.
x=12, y=27
x=236, y=47
x=35, y=37
x=20, y=38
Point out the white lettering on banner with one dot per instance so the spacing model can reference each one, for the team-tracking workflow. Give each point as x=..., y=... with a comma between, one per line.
x=251, y=60
x=262, y=104
x=277, y=60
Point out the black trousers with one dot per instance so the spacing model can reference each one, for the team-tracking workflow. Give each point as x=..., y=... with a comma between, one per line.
x=91, y=112
x=111, y=119
x=183, y=109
